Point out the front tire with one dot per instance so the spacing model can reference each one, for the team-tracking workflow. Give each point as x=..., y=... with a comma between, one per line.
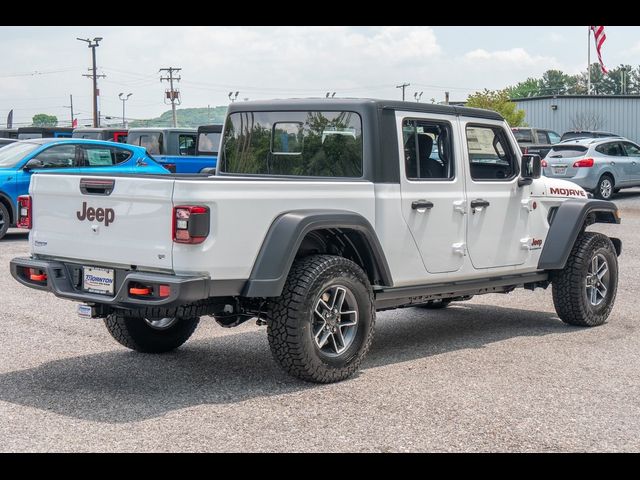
x=150, y=335
x=5, y=221
x=605, y=188
x=322, y=325
x=585, y=290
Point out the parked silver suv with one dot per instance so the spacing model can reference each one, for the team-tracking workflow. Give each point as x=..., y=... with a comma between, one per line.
x=600, y=165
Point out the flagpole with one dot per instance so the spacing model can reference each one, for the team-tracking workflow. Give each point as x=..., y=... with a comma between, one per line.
x=588, y=60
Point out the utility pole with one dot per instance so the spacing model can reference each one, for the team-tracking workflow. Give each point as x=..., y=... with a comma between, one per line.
x=92, y=45
x=124, y=99
x=403, y=87
x=208, y=116
x=446, y=98
x=71, y=107
x=172, y=94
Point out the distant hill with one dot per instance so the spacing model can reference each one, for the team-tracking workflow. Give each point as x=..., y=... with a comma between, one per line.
x=187, y=117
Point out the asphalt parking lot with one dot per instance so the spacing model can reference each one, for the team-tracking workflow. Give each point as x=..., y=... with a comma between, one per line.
x=498, y=373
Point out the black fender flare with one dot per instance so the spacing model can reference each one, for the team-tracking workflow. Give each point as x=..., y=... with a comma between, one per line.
x=285, y=236
x=568, y=222
x=6, y=199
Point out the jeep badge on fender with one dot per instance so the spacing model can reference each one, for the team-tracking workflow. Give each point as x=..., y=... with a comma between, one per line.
x=106, y=215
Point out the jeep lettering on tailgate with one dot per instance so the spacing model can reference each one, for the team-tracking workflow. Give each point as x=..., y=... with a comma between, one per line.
x=106, y=215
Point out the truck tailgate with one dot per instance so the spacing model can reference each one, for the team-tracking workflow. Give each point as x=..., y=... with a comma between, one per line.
x=131, y=225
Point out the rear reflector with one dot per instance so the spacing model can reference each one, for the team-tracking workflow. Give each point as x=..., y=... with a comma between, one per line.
x=584, y=163
x=544, y=164
x=164, y=291
x=24, y=212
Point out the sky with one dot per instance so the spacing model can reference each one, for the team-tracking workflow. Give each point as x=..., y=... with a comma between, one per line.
x=42, y=66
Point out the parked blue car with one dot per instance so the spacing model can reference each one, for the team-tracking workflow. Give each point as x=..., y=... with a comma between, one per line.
x=174, y=149
x=20, y=160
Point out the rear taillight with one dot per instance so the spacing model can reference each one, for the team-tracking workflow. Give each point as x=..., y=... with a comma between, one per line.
x=24, y=212
x=584, y=163
x=544, y=164
x=190, y=224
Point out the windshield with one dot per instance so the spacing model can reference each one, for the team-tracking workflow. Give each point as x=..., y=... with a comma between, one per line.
x=90, y=135
x=11, y=154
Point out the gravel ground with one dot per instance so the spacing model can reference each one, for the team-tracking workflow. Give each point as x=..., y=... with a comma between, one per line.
x=498, y=373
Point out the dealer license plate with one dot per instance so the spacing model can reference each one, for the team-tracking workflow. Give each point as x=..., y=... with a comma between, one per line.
x=98, y=280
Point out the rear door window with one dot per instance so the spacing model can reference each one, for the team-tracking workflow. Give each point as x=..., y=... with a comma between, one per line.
x=208, y=143
x=523, y=135
x=490, y=155
x=152, y=141
x=613, y=149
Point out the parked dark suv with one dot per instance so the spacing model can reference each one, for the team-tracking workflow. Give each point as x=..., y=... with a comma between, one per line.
x=574, y=134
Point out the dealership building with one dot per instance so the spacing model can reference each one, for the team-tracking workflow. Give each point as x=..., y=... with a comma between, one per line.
x=618, y=114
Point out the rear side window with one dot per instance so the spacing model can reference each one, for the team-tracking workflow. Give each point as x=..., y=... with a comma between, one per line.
x=611, y=149
x=490, y=154
x=208, y=143
x=567, y=151
x=99, y=156
x=553, y=137
x=152, y=141
x=428, y=152
x=307, y=144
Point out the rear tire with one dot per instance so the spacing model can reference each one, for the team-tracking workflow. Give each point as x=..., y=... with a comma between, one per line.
x=605, y=188
x=150, y=336
x=322, y=325
x=5, y=220
x=585, y=290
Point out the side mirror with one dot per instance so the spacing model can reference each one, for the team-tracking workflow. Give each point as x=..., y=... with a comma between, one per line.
x=33, y=164
x=530, y=169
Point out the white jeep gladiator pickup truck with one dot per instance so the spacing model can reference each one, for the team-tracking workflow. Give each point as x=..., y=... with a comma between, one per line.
x=321, y=212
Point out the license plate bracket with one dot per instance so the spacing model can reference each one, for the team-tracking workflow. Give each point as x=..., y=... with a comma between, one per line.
x=98, y=280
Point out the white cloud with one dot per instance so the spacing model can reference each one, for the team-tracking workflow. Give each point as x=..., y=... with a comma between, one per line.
x=555, y=37
x=517, y=57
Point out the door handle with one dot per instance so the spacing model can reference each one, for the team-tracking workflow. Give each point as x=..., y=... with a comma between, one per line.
x=421, y=205
x=479, y=203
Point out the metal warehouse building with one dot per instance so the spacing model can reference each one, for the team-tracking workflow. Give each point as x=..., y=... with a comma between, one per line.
x=619, y=114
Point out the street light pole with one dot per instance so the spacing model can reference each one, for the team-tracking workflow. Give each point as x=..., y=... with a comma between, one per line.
x=124, y=99
x=92, y=45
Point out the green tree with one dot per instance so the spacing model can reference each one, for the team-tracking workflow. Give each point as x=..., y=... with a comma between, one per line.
x=529, y=88
x=44, y=120
x=498, y=101
x=554, y=82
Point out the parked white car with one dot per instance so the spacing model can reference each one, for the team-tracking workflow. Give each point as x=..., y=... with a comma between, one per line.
x=599, y=165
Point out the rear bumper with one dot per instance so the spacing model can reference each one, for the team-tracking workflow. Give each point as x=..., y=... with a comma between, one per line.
x=62, y=280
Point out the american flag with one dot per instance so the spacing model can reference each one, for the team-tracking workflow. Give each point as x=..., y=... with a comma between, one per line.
x=599, y=35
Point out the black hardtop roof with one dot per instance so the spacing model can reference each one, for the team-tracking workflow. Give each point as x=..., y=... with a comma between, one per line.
x=162, y=129
x=99, y=129
x=217, y=128
x=44, y=129
x=358, y=104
